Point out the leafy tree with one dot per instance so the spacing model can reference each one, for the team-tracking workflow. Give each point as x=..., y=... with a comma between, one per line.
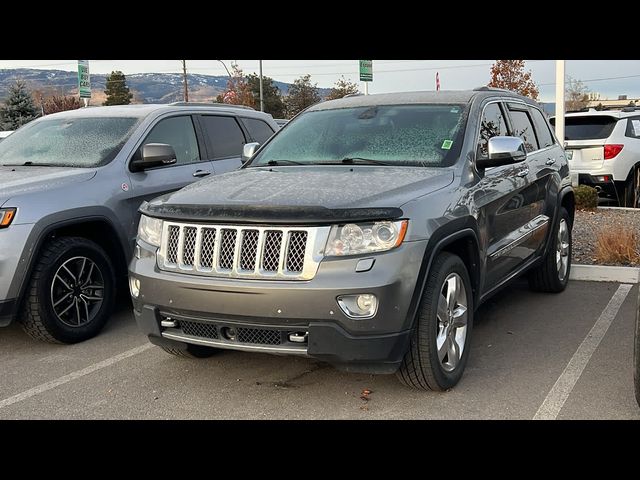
x=60, y=103
x=510, y=75
x=238, y=91
x=19, y=108
x=272, y=99
x=116, y=90
x=576, y=93
x=341, y=88
x=302, y=94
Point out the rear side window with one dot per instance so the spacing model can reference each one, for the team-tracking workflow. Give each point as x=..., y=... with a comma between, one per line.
x=523, y=128
x=225, y=136
x=589, y=127
x=633, y=128
x=493, y=124
x=545, y=139
x=259, y=130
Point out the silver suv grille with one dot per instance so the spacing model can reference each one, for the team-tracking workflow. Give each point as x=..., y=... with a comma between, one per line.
x=268, y=252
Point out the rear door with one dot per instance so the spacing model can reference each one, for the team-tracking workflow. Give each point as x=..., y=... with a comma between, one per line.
x=178, y=131
x=585, y=136
x=224, y=138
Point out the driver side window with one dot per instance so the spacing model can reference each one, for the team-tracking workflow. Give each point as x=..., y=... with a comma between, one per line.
x=493, y=124
x=180, y=134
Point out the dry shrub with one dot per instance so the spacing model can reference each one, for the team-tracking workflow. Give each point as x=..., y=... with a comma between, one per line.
x=586, y=197
x=617, y=246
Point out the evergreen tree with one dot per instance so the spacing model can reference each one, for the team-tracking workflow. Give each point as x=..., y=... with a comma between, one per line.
x=19, y=108
x=116, y=89
x=341, y=88
x=302, y=94
x=271, y=97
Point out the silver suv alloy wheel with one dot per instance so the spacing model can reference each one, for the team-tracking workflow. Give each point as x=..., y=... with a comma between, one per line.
x=452, y=322
x=562, y=249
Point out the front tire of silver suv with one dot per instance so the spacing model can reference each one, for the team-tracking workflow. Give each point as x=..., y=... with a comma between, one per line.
x=71, y=292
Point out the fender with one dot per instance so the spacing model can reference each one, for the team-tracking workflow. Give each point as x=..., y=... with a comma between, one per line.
x=460, y=228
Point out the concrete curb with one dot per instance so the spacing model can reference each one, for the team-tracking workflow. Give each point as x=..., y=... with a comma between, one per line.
x=605, y=273
x=628, y=209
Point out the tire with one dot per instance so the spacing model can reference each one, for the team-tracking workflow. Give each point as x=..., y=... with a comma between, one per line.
x=422, y=367
x=632, y=189
x=552, y=275
x=191, y=351
x=53, y=288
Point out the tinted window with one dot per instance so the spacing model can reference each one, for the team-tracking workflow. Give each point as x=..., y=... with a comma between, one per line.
x=179, y=133
x=396, y=134
x=225, y=135
x=259, y=130
x=493, y=124
x=587, y=127
x=72, y=142
x=633, y=128
x=542, y=128
x=521, y=127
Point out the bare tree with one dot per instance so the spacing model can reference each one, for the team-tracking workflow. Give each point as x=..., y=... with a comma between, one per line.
x=576, y=93
x=510, y=75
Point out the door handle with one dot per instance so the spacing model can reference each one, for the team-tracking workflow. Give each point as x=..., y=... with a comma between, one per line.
x=201, y=173
x=523, y=173
x=550, y=161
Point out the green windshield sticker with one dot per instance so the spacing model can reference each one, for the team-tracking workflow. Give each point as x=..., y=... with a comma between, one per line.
x=446, y=145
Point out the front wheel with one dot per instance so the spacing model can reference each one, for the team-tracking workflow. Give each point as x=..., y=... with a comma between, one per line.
x=440, y=342
x=552, y=275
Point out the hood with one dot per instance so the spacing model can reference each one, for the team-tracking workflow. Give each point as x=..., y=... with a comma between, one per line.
x=302, y=193
x=16, y=181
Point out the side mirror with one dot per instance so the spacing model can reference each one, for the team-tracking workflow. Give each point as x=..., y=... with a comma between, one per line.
x=154, y=155
x=503, y=151
x=248, y=150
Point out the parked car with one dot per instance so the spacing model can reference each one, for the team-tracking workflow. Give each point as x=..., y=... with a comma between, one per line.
x=4, y=134
x=603, y=149
x=365, y=234
x=70, y=187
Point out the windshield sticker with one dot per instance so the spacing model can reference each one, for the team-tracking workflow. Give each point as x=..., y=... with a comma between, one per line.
x=446, y=145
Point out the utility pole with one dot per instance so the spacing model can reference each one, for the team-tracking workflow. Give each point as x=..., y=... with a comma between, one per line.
x=560, y=101
x=261, y=99
x=184, y=74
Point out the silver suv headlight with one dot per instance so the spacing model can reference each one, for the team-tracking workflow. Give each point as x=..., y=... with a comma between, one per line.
x=356, y=238
x=150, y=230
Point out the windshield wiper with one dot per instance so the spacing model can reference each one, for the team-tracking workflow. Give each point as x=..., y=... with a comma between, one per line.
x=352, y=160
x=27, y=164
x=273, y=163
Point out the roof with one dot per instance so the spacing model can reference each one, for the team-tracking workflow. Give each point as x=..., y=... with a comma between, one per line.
x=143, y=110
x=411, y=98
x=609, y=113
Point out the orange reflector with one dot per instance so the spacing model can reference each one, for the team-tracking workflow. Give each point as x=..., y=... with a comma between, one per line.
x=6, y=217
x=402, y=232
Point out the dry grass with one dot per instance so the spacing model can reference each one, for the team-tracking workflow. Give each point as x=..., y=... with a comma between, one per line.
x=617, y=246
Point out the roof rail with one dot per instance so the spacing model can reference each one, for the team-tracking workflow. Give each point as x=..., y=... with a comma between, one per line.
x=486, y=88
x=209, y=104
x=629, y=109
x=357, y=94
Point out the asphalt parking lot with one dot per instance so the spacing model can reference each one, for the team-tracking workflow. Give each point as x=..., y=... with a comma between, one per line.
x=566, y=356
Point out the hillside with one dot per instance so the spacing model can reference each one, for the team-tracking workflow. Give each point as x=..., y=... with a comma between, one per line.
x=146, y=87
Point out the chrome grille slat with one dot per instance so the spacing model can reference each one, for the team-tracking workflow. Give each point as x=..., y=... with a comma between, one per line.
x=263, y=252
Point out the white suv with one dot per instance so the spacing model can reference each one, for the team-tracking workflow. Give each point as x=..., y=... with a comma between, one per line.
x=603, y=149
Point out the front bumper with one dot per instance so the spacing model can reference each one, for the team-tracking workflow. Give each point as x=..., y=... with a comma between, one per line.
x=276, y=309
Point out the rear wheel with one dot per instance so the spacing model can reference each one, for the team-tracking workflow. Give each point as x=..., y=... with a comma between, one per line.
x=191, y=351
x=553, y=274
x=632, y=189
x=440, y=342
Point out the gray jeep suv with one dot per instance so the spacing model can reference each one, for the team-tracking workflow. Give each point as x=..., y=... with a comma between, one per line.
x=70, y=187
x=365, y=234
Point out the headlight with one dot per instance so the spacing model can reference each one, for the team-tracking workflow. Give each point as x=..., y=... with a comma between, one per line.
x=6, y=216
x=352, y=239
x=150, y=230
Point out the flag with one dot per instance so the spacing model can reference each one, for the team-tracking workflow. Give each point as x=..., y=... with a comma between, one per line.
x=437, y=82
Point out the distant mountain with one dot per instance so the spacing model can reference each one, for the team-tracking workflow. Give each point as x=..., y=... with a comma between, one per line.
x=146, y=87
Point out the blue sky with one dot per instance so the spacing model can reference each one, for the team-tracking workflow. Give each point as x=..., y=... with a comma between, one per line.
x=602, y=76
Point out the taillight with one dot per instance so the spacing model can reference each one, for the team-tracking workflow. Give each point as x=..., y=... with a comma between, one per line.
x=610, y=151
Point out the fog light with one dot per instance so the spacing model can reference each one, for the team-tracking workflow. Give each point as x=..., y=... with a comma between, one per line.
x=134, y=287
x=364, y=305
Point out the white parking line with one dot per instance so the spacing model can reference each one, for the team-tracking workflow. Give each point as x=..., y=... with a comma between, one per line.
x=73, y=376
x=554, y=401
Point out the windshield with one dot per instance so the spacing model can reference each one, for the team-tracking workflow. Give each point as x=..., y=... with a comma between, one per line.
x=68, y=142
x=588, y=127
x=423, y=135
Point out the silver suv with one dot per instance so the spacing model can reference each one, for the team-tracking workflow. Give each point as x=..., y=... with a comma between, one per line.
x=70, y=187
x=603, y=149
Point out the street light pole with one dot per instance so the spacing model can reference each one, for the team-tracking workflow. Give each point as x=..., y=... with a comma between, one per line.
x=261, y=98
x=225, y=67
x=184, y=73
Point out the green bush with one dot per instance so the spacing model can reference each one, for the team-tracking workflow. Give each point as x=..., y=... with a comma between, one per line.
x=586, y=197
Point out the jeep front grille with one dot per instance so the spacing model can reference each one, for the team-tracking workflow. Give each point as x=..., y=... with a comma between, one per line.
x=267, y=252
